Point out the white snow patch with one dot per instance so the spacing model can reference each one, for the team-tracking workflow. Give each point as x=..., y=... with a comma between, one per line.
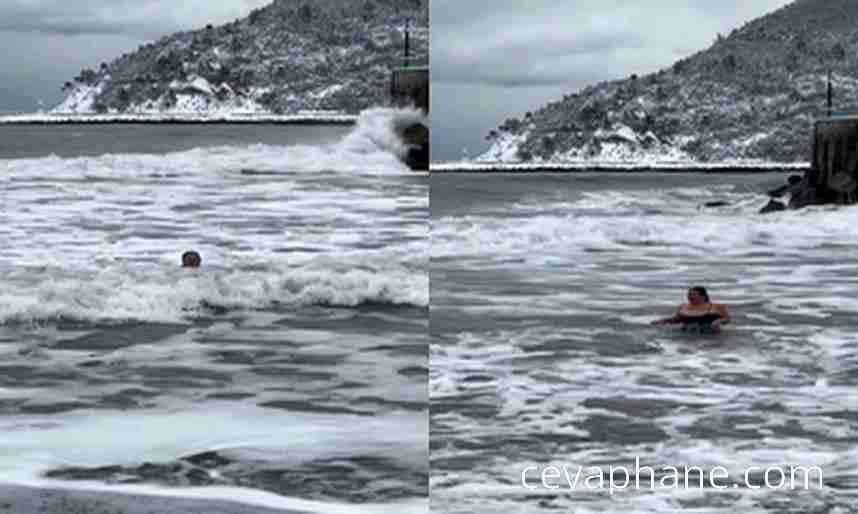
x=256, y=92
x=680, y=141
x=632, y=151
x=326, y=91
x=623, y=144
x=627, y=133
x=200, y=84
x=80, y=100
x=756, y=138
x=504, y=148
x=194, y=83
x=195, y=99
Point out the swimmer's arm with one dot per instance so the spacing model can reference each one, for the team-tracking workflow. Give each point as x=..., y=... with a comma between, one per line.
x=725, y=315
x=671, y=320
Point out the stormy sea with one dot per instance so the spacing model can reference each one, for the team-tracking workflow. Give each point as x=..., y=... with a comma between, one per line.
x=289, y=370
x=542, y=353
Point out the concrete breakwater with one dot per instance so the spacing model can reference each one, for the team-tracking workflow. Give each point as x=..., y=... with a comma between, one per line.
x=178, y=119
x=617, y=167
x=409, y=86
x=832, y=177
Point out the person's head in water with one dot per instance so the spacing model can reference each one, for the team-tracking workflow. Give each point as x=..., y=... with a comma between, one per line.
x=191, y=259
x=697, y=296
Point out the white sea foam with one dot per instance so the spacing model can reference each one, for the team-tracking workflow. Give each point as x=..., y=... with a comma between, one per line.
x=569, y=371
x=602, y=222
x=282, y=230
x=379, y=128
x=166, y=295
x=372, y=147
x=32, y=445
x=100, y=237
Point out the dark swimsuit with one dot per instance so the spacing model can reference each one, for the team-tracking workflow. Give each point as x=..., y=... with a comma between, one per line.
x=701, y=322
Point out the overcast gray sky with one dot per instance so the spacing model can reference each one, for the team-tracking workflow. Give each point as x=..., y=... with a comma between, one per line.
x=500, y=59
x=44, y=43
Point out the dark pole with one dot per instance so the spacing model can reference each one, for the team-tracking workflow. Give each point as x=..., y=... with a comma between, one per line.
x=829, y=93
x=407, y=41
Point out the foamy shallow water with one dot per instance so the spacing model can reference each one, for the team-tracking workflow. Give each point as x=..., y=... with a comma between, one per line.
x=304, y=330
x=541, y=352
x=340, y=224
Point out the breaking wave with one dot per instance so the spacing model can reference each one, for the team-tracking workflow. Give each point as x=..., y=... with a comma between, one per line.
x=371, y=147
x=673, y=219
x=175, y=295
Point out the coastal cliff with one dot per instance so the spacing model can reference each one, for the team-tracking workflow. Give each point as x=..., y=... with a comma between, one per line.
x=288, y=57
x=754, y=94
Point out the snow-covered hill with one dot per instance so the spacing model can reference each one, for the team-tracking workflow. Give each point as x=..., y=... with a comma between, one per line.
x=752, y=95
x=291, y=56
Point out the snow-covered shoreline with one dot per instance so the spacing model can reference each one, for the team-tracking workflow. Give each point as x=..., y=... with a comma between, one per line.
x=60, y=118
x=623, y=166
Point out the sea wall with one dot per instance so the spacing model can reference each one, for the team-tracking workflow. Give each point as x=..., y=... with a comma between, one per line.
x=410, y=86
x=833, y=175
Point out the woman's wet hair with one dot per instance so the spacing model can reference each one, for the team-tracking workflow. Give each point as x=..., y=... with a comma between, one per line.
x=701, y=291
x=191, y=259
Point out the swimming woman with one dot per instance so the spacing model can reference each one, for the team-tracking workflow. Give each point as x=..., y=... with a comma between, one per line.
x=191, y=259
x=699, y=313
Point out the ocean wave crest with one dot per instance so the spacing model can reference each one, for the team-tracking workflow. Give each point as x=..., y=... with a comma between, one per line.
x=670, y=219
x=177, y=295
x=371, y=147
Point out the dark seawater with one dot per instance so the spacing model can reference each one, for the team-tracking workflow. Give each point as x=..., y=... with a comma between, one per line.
x=294, y=362
x=543, y=287
x=27, y=141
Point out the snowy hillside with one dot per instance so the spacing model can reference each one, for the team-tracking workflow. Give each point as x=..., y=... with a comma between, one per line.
x=291, y=56
x=752, y=95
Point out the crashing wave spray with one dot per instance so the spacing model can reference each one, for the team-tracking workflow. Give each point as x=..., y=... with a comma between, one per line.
x=383, y=129
x=171, y=295
x=374, y=146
